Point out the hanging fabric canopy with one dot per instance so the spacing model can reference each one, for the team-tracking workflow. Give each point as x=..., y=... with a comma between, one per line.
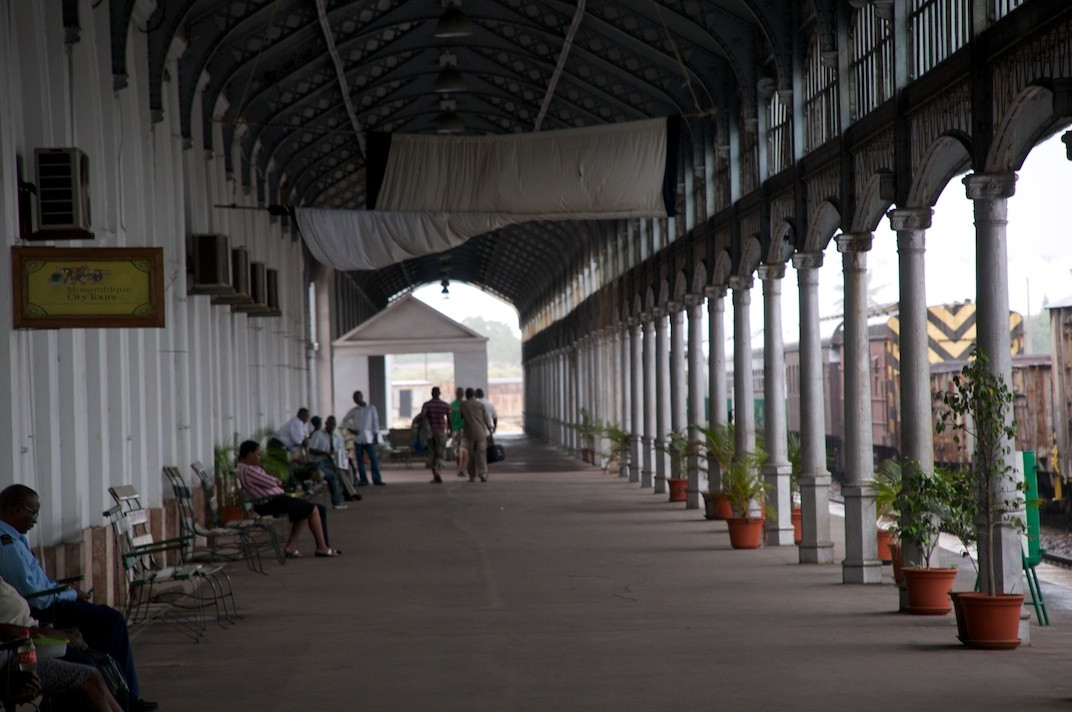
x=432, y=193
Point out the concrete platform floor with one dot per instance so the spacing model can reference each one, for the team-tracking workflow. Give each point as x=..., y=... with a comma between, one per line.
x=558, y=587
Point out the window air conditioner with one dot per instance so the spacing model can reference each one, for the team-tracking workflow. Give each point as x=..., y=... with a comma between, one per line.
x=258, y=289
x=209, y=262
x=239, y=280
x=62, y=176
x=271, y=293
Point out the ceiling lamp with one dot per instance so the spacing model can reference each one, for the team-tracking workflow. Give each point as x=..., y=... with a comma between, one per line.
x=449, y=79
x=453, y=22
x=449, y=121
x=446, y=287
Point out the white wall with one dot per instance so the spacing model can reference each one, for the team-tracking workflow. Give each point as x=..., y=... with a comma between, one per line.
x=83, y=409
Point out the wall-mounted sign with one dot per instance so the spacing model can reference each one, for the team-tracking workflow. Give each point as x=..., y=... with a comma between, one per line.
x=88, y=287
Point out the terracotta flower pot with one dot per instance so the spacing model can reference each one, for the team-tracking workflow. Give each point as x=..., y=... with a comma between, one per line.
x=745, y=532
x=991, y=622
x=885, y=536
x=723, y=510
x=928, y=590
x=895, y=558
x=230, y=513
x=797, y=517
x=677, y=487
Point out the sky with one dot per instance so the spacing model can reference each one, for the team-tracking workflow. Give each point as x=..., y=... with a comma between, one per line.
x=1039, y=256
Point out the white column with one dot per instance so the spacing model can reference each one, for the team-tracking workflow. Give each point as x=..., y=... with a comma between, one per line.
x=716, y=373
x=325, y=386
x=917, y=428
x=744, y=413
x=777, y=469
x=678, y=412
x=990, y=193
x=861, y=564
x=625, y=386
x=636, y=421
x=696, y=394
x=650, y=424
x=816, y=546
x=662, y=399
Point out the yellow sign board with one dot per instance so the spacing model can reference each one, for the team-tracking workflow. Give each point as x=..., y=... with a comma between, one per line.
x=88, y=287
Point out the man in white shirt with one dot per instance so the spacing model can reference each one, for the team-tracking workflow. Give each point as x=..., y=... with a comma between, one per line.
x=292, y=434
x=364, y=422
x=493, y=415
x=324, y=444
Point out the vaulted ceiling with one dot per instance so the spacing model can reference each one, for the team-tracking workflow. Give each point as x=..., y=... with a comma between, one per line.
x=268, y=76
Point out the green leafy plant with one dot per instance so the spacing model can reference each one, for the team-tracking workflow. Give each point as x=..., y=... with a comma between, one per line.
x=743, y=485
x=718, y=440
x=795, y=456
x=224, y=456
x=988, y=492
x=589, y=429
x=618, y=440
x=922, y=500
x=887, y=487
x=678, y=447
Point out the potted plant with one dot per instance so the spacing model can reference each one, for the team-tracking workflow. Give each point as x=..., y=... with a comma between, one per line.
x=921, y=500
x=796, y=463
x=678, y=447
x=746, y=492
x=618, y=454
x=887, y=485
x=985, y=496
x=718, y=440
x=589, y=429
x=228, y=489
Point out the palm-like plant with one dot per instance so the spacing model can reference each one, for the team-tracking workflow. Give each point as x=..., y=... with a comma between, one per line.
x=678, y=447
x=718, y=440
x=887, y=486
x=743, y=485
x=618, y=440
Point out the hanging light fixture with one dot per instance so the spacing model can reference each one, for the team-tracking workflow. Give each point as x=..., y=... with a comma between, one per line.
x=449, y=79
x=449, y=121
x=446, y=287
x=453, y=22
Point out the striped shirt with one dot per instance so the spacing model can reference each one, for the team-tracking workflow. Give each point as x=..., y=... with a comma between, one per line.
x=438, y=412
x=257, y=483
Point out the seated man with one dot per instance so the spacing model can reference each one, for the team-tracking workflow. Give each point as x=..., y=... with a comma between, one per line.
x=72, y=683
x=104, y=628
x=325, y=444
x=271, y=500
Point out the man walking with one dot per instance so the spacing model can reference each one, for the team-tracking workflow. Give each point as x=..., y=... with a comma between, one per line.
x=437, y=411
x=461, y=452
x=475, y=431
x=364, y=422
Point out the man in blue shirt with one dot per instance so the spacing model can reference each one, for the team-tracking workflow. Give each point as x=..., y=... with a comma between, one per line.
x=102, y=627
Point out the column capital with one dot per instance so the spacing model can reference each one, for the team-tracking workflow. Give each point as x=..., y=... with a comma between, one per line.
x=673, y=307
x=910, y=218
x=715, y=291
x=772, y=272
x=854, y=242
x=740, y=284
x=807, y=260
x=990, y=186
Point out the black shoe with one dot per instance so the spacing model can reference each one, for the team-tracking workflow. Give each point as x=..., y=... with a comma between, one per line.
x=142, y=705
x=379, y=484
x=362, y=484
x=436, y=479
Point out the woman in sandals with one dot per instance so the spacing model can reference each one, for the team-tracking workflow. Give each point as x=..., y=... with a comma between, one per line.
x=270, y=500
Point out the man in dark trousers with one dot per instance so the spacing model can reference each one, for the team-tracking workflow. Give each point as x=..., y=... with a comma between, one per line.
x=102, y=627
x=437, y=411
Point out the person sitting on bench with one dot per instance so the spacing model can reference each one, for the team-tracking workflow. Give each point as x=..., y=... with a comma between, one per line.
x=270, y=500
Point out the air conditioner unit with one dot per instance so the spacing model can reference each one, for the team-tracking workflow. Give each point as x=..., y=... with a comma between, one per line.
x=271, y=293
x=239, y=280
x=258, y=289
x=62, y=176
x=209, y=263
